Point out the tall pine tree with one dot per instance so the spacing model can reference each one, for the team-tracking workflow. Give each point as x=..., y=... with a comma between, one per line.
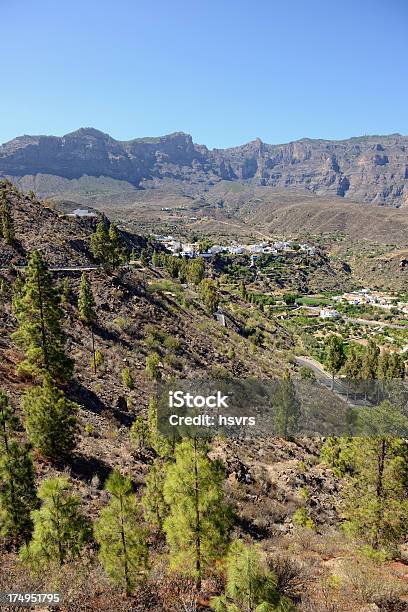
x=6, y=221
x=286, y=408
x=117, y=248
x=122, y=540
x=100, y=243
x=335, y=355
x=87, y=311
x=60, y=529
x=36, y=306
x=197, y=524
x=86, y=302
x=17, y=485
x=153, y=500
x=51, y=421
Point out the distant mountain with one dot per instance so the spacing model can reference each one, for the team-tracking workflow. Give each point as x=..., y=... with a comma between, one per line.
x=370, y=169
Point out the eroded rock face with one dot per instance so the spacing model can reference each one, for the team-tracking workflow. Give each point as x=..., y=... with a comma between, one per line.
x=367, y=169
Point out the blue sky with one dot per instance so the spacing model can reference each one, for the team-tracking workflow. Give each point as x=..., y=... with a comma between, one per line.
x=225, y=71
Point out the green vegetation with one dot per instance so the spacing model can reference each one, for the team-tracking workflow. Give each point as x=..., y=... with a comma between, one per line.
x=123, y=546
x=286, y=408
x=6, y=221
x=51, y=421
x=198, y=520
x=155, y=506
x=17, y=491
x=60, y=530
x=127, y=378
x=375, y=469
x=86, y=302
x=107, y=245
x=251, y=584
x=335, y=355
x=36, y=306
x=209, y=294
x=152, y=366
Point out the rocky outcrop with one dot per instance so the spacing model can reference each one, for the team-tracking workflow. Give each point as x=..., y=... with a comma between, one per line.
x=367, y=169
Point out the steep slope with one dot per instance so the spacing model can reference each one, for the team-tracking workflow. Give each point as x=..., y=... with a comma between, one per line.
x=64, y=241
x=367, y=169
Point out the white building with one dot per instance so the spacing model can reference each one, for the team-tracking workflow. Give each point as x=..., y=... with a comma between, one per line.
x=328, y=313
x=79, y=212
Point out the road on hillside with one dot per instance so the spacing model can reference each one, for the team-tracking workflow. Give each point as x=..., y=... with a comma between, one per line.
x=339, y=387
x=70, y=268
x=56, y=268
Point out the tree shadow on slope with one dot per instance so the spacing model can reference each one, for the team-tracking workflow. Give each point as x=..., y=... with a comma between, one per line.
x=86, y=468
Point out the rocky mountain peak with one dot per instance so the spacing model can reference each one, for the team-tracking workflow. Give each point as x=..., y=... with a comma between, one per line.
x=370, y=169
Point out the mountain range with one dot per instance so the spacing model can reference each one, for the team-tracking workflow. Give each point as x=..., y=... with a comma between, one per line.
x=369, y=169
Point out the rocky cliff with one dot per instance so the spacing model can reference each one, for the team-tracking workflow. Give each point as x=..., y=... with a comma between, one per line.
x=367, y=169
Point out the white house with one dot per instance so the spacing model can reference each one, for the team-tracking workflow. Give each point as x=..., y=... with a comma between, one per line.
x=328, y=313
x=79, y=212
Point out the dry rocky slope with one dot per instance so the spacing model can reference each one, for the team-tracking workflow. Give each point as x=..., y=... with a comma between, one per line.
x=366, y=169
x=267, y=480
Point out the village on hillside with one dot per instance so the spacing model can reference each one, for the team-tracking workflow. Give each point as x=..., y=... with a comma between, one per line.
x=192, y=249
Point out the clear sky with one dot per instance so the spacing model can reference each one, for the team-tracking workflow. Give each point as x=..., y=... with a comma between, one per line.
x=226, y=71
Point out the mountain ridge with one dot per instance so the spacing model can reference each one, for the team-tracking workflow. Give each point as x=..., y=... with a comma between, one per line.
x=371, y=169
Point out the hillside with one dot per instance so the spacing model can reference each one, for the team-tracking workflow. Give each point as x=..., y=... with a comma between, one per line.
x=64, y=241
x=142, y=311
x=371, y=169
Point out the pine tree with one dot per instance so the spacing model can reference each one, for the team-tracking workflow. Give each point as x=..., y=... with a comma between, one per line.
x=352, y=369
x=196, y=271
x=396, y=367
x=17, y=485
x=153, y=501
x=144, y=259
x=127, y=378
x=51, y=422
x=100, y=242
x=197, y=524
x=369, y=367
x=152, y=366
x=250, y=585
x=370, y=360
x=139, y=433
x=374, y=498
x=65, y=291
x=122, y=540
x=209, y=294
x=87, y=311
x=286, y=407
x=60, y=530
x=155, y=259
x=383, y=365
x=117, y=248
x=86, y=302
x=335, y=356
x=6, y=222
x=160, y=443
x=183, y=271
x=243, y=290
x=37, y=309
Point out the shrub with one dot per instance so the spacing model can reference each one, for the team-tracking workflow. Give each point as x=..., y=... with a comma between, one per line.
x=301, y=518
x=152, y=366
x=127, y=378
